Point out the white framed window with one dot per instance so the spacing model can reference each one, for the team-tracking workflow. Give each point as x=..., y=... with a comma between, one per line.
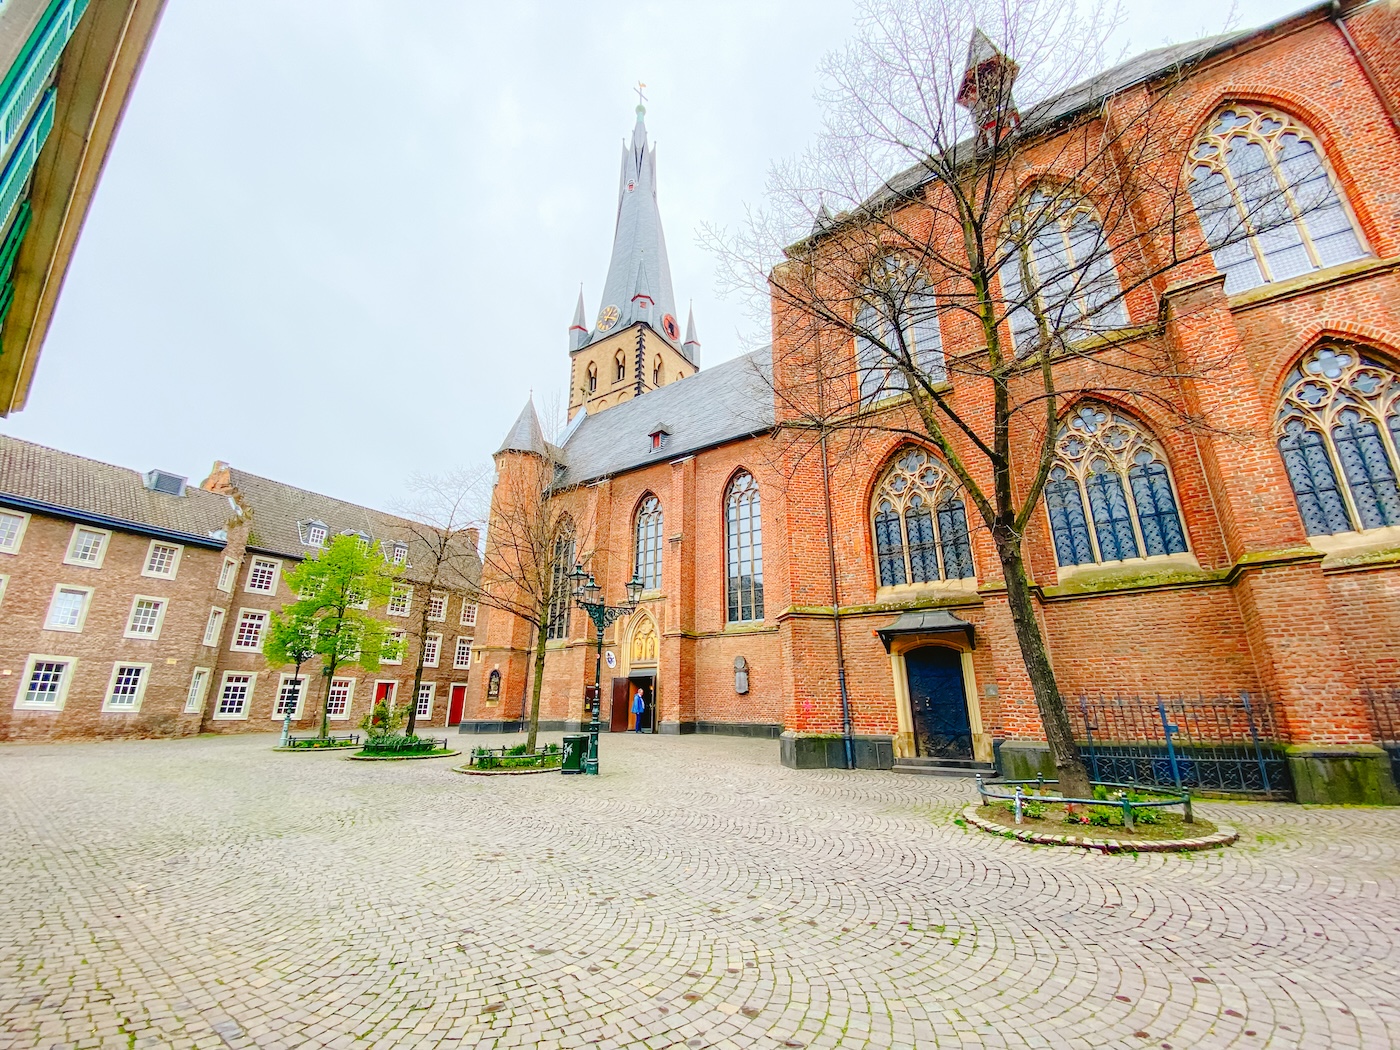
x=313, y=533
x=399, y=553
x=12, y=526
x=432, y=646
x=162, y=560
x=214, y=627
x=463, y=657
x=147, y=615
x=437, y=607
x=68, y=608
x=426, y=690
x=44, y=684
x=88, y=547
x=291, y=691
x=397, y=637
x=235, y=694
x=227, y=573
x=400, y=601
x=199, y=686
x=342, y=695
x=127, y=687
x=247, y=637
x=262, y=576
x=469, y=614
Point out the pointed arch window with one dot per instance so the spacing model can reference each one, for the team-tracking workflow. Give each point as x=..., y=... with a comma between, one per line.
x=920, y=523
x=619, y=367
x=1267, y=204
x=647, y=565
x=592, y=377
x=1338, y=428
x=658, y=376
x=1109, y=495
x=743, y=533
x=560, y=566
x=1058, y=269
x=896, y=323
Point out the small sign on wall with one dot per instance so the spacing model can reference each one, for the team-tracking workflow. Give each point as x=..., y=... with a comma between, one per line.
x=611, y=659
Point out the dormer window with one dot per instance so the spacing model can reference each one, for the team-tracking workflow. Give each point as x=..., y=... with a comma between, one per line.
x=365, y=538
x=659, y=437
x=313, y=533
x=400, y=553
x=160, y=481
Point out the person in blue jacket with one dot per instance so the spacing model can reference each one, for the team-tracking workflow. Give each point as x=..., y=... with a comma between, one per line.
x=638, y=706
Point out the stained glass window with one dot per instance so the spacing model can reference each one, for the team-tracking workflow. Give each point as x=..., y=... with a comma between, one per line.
x=560, y=600
x=897, y=323
x=1110, y=471
x=648, y=534
x=1266, y=203
x=920, y=523
x=743, y=527
x=1339, y=421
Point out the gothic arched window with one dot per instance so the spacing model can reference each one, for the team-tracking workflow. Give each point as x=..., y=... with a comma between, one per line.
x=619, y=367
x=648, y=533
x=743, y=535
x=1058, y=269
x=1109, y=494
x=897, y=322
x=657, y=376
x=920, y=523
x=559, y=568
x=592, y=377
x=1266, y=202
x=1341, y=409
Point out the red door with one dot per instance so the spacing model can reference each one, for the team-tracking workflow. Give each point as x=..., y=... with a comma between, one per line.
x=383, y=691
x=454, y=709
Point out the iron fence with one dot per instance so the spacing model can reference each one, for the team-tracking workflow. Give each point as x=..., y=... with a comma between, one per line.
x=1385, y=722
x=1229, y=744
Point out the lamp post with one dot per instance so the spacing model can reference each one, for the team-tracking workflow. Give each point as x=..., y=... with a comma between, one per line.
x=588, y=596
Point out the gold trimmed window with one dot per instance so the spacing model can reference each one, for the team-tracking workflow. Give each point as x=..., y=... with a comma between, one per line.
x=1338, y=430
x=1268, y=206
x=1058, y=271
x=1110, y=495
x=920, y=523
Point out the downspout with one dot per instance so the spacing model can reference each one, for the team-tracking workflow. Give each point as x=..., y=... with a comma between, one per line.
x=1366, y=69
x=836, y=610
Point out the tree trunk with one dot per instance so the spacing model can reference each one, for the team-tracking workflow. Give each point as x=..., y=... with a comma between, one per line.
x=326, y=701
x=1069, y=767
x=541, y=637
x=418, y=671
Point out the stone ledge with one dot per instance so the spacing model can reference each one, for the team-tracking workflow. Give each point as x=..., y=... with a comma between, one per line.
x=401, y=758
x=1224, y=836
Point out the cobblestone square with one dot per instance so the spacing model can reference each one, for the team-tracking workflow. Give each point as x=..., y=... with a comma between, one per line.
x=212, y=893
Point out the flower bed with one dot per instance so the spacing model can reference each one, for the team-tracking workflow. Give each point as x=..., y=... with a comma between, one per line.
x=390, y=748
x=514, y=760
x=316, y=743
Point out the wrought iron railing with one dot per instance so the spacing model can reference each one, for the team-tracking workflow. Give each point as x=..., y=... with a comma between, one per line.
x=1385, y=723
x=1230, y=744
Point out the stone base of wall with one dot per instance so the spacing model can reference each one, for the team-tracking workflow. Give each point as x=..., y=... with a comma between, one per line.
x=520, y=726
x=764, y=730
x=799, y=751
x=676, y=728
x=1355, y=774
x=1023, y=759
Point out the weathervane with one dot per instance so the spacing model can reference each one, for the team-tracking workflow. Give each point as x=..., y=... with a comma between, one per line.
x=641, y=98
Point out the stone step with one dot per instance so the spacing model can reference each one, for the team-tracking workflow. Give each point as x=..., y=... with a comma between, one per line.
x=945, y=767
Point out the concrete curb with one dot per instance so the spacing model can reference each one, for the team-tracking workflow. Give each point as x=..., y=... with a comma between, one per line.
x=400, y=758
x=1224, y=836
x=318, y=750
x=502, y=772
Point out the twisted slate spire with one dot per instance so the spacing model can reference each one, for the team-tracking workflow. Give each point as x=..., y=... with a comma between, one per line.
x=526, y=435
x=638, y=287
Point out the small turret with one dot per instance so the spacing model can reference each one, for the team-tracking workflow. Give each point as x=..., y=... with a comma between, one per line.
x=578, y=331
x=986, y=89
x=526, y=435
x=691, y=347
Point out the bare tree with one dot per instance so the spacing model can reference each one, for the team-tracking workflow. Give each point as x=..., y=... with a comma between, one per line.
x=1033, y=234
x=442, y=523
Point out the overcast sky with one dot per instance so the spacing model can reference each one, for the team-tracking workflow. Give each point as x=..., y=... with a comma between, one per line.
x=338, y=241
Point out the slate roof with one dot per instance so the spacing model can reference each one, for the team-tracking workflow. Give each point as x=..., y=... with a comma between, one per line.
x=526, y=435
x=88, y=486
x=726, y=401
x=277, y=508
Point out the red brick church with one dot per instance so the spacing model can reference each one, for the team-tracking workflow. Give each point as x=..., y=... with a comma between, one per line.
x=819, y=598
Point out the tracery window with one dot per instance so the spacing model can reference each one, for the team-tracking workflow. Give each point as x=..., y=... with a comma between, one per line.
x=619, y=367
x=560, y=600
x=897, y=322
x=592, y=377
x=657, y=376
x=1109, y=473
x=743, y=533
x=1058, y=270
x=920, y=523
x=648, y=535
x=1341, y=409
x=1267, y=204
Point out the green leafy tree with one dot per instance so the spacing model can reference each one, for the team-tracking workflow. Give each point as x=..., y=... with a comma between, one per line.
x=291, y=640
x=334, y=592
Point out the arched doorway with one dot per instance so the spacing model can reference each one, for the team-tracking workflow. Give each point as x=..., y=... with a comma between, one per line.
x=643, y=655
x=938, y=702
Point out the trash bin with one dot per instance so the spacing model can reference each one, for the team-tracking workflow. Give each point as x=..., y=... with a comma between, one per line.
x=575, y=748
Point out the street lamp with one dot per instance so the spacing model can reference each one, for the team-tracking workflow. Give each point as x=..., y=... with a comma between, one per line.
x=588, y=595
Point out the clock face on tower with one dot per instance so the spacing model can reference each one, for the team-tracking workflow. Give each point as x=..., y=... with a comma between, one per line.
x=608, y=318
x=670, y=327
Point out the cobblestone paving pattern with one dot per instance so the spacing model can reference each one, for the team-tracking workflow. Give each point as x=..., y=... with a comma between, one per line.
x=213, y=893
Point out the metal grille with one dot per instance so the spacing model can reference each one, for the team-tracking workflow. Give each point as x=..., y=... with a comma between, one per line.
x=1385, y=720
x=1218, y=743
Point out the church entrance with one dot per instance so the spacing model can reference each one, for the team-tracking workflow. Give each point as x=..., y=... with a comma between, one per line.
x=938, y=702
x=624, y=689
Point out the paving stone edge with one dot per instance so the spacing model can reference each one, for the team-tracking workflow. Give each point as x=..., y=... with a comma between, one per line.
x=1224, y=836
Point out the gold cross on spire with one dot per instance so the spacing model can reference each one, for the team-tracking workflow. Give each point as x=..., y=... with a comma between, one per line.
x=639, y=89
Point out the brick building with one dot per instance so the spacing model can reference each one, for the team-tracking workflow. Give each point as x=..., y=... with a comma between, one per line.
x=135, y=604
x=1258, y=554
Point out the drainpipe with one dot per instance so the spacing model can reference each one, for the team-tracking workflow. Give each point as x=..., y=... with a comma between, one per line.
x=836, y=610
x=1366, y=69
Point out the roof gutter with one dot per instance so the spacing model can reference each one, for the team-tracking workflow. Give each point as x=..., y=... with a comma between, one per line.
x=1367, y=70
x=105, y=521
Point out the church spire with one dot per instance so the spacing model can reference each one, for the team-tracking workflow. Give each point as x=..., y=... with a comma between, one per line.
x=578, y=331
x=691, y=348
x=638, y=288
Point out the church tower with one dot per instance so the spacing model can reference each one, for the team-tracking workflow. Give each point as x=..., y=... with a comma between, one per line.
x=635, y=343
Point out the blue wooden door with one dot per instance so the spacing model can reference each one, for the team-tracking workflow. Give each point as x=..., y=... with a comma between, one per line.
x=941, y=725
